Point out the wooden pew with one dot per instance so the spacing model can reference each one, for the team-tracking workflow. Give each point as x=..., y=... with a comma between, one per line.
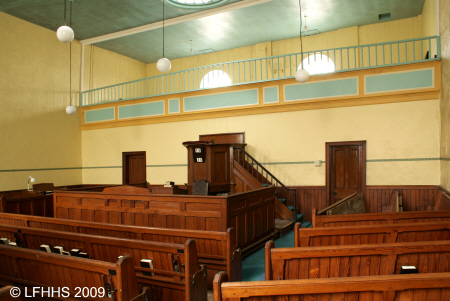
x=351, y=260
x=217, y=250
x=368, y=234
x=413, y=287
x=251, y=214
x=31, y=268
x=378, y=218
x=176, y=271
x=395, y=203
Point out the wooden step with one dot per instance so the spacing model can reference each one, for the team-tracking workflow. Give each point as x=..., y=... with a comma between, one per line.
x=283, y=226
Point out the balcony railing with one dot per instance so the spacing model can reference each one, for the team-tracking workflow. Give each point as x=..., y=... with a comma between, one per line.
x=270, y=68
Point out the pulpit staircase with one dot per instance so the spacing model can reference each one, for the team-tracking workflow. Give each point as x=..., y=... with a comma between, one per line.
x=250, y=174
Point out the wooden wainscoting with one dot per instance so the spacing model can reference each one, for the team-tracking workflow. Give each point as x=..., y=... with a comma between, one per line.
x=414, y=197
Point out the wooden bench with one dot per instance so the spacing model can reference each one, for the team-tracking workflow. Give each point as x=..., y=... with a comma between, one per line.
x=217, y=250
x=177, y=275
x=413, y=287
x=351, y=260
x=378, y=218
x=251, y=214
x=31, y=268
x=368, y=234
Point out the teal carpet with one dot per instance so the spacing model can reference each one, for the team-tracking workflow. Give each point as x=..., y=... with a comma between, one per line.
x=253, y=265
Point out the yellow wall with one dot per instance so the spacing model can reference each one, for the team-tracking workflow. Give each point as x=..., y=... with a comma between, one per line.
x=444, y=26
x=429, y=18
x=36, y=132
x=104, y=68
x=393, y=131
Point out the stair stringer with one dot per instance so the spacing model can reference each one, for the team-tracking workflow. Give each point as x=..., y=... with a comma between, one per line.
x=246, y=182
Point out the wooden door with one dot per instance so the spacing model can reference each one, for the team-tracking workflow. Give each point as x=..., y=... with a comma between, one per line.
x=346, y=169
x=134, y=167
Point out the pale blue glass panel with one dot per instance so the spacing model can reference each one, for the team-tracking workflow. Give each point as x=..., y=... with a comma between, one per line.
x=400, y=81
x=174, y=106
x=99, y=115
x=222, y=100
x=141, y=110
x=270, y=94
x=330, y=88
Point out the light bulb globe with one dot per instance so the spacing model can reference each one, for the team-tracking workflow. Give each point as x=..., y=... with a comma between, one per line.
x=163, y=64
x=301, y=75
x=71, y=110
x=65, y=34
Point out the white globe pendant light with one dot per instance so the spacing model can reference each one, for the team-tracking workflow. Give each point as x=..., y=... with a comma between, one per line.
x=301, y=75
x=163, y=64
x=70, y=110
x=65, y=34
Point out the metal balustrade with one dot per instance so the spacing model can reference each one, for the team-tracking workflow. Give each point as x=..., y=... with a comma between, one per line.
x=270, y=68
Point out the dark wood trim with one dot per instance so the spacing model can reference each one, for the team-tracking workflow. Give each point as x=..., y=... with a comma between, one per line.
x=125, y=163
x=362, y=160
x=238, y=137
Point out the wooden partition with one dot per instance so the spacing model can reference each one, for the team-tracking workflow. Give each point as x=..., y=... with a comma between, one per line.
x=32, y=204
x=351, y=260
x=31, y=268
x=413, y=287
x=217, y=250
x=210, y=213
x=368, y=234
x=176, y=271
x=379, y=218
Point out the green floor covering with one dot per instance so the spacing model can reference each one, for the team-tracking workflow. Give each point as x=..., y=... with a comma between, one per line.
x=253, y=265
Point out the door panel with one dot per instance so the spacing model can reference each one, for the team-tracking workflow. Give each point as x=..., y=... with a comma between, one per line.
x=134, y=168
x=345, y=169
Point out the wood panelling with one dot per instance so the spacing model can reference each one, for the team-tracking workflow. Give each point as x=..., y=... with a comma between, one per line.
x=210, y=213
x=34, y=204
x=166, y=282
x=353, y=260
x=215, y=249
x=413, y=198
x=423, y=287
x=368, y=234
x=33, y=268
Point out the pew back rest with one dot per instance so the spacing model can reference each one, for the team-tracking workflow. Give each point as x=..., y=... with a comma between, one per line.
x=367, y=234
x=442, y=201
x=378, y=218
x=351, y=260
x=216, y=249
x=423, y=287
x=169, y=277
x=41, y=269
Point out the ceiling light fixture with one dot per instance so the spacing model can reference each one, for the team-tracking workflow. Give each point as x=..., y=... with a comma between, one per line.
x=70, y=109
x=64, y=33
x=301, y=75
x=163, y=63
x=306, y=27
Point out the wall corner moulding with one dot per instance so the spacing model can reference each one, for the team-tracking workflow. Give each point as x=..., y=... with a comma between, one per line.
x=412, y=82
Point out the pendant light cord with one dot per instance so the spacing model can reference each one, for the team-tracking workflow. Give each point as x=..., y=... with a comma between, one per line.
x=70, y=57
x=163, y=26
x=65, y=9
x=301, y=42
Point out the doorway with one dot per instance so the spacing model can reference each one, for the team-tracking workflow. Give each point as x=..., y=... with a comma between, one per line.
x=134, y=167
x=345, y=169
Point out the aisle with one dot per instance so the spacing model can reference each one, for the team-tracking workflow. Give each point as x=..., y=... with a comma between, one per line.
x=253, y=265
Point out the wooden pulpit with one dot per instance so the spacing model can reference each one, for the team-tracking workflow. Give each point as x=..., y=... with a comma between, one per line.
x=211, y=162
